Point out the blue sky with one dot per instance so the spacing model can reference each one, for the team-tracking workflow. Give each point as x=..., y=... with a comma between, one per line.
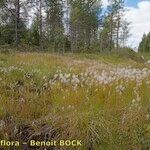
x=132, y=3
x=138, y=15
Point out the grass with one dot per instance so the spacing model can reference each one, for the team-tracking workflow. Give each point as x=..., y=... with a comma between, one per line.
x=102, y=100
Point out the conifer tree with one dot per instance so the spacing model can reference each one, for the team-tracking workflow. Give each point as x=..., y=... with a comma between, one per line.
x=144, y=45
x=54, y=23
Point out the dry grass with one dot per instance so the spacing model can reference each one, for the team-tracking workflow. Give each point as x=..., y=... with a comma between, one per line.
x=105, y=105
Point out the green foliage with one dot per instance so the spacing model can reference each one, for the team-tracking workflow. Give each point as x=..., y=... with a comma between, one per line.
x=84, y=24
x=54, y=24
x=145, y=44
x=76, y=26
x=34, y=36
x=7, y=32
x=41, y=94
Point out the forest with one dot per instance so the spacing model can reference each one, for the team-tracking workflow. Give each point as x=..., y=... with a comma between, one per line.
x=64, y=25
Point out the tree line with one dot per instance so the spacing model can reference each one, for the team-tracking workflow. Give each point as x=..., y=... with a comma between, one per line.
x=144, y=45
x=64, y=25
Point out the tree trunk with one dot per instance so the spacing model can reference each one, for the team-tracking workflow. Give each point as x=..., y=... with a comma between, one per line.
x=40, y=25
x=118, y=28
x=111, y=33
x=17, y=21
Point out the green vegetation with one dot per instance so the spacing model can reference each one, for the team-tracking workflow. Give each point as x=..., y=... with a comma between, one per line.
x=66, y=73
x=97, y=99
x=64, y=25
x=145, y=44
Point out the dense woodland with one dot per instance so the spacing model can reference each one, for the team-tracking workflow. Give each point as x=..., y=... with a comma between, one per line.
x=64, y=25
x=144, y=46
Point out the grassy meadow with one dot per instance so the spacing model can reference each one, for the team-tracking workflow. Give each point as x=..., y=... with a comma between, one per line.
x=102, y=100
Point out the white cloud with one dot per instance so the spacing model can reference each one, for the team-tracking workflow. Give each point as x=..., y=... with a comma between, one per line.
x=105, y=3
x=140, y=22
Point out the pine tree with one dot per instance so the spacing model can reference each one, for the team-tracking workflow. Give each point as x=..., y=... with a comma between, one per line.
x=54, y=23
x=114, y=24
x=124, y=33
x=83, y=24
x=144, y=45
x=34, y=32
x=13, y=18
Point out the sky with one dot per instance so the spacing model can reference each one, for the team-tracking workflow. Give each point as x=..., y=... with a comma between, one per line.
x=138, y=15
x=132, y=3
